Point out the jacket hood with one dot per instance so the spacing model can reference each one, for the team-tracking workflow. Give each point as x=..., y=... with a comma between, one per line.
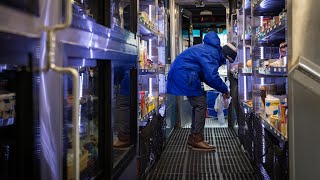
x=212, y=39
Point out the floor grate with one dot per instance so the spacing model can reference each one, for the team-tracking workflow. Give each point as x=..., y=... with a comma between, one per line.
x=211, y=123
x=179, y=162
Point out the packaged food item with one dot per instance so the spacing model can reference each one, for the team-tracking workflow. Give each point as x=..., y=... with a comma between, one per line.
x=151, y=103
x=249, y=63
x=84, y=157
x=142, y=98
x=277, y=63
x=141, y=60
x=144, y=17
x=273, y=120
x=271, y=105
x=7, y=105
x=276, y=19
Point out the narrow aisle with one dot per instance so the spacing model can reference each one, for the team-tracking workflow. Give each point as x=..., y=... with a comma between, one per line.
x=180, y=162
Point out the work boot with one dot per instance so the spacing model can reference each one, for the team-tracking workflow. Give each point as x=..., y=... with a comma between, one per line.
x=122, y=142
x=200, y=145
x=190, y=141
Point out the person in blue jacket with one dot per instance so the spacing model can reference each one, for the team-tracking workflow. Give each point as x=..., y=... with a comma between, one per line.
x=198, y=64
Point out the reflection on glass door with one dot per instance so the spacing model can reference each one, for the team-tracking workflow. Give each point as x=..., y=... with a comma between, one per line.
x=121, y=14
x=89, y=120
x=17, y=125
x=122, y=134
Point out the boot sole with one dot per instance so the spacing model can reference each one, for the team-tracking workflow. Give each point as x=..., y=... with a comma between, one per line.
x=205, y=150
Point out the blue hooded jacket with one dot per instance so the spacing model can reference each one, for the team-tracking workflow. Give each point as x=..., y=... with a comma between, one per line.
x=199, y=63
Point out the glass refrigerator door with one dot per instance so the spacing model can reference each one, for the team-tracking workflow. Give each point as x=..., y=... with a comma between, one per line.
x=16, y=122
x=123, y=14
x=124, y=111
x=90, y=120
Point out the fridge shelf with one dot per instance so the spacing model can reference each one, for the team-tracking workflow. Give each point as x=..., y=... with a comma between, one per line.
x=148, y=115
x=145, y=30
x=246, y=71
x=267, y=7
x=274, y=71
x=271, y=129
x=143, y=72
x=274, y=33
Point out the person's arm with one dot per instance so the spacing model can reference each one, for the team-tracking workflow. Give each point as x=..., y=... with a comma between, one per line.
x=210, y=66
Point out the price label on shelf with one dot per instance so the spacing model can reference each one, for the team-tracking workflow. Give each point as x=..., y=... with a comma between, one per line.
x=280, y=23
x=282, y=137
x=278, y=133
x=271, y=127
x=275, y=131
x=275, y=26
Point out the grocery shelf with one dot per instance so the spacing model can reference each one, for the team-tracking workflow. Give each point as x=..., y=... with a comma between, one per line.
x=6, y=122
x=147, y=72
x=147, y=116
x=271, y=129
x=274, y=71
x=246, y=71
x=274, y=33
x=145, y=30
x=267, y=7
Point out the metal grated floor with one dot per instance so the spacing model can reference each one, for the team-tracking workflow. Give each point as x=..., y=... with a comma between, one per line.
x=211, y=123
x=228, y=163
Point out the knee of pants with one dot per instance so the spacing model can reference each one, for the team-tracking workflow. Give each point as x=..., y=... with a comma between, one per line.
x=202, y=107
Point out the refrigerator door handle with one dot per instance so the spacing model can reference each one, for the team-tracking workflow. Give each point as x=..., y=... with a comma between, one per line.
x=307, y=74
x=51, y=47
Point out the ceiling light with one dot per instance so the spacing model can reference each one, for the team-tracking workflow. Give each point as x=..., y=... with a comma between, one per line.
x=199, y=4
x=206, y=13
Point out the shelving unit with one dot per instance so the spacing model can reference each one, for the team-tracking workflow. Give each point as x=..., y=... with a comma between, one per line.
x=267, y=7
x=246, y=71
x=274, y=33
x=143, y=72
x=274, y=71
x=151, y=80
x=145, y=30
x=274, y=131
x=261, y=30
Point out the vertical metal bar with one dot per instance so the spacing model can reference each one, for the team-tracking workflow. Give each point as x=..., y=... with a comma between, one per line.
x=134, y=16
x=133, y=105
x=173, y=31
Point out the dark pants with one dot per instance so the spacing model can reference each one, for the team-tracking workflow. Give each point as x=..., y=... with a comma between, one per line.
x=199, y=110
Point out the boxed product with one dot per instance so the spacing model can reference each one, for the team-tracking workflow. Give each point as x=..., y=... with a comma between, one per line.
x=271, y=105
x=151, y=103
x=144, y=16
x=276, y=19
x=142, y=99
x=84, y=157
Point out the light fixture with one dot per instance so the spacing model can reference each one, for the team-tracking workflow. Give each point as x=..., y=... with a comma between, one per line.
x=206, y=13
x=199, y=4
